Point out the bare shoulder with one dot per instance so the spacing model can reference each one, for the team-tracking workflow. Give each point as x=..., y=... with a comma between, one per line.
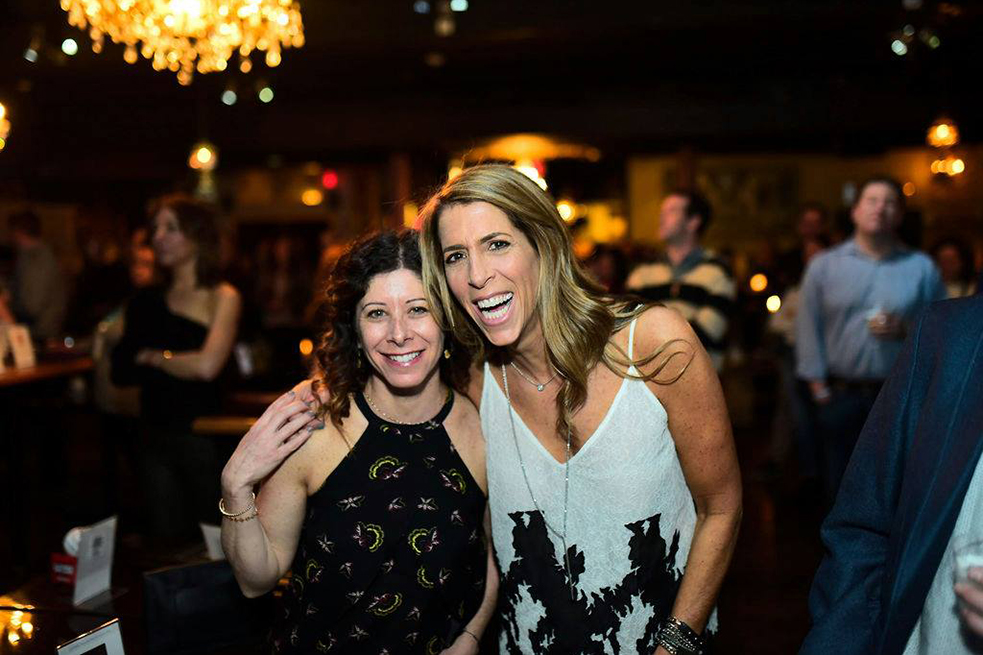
x=226, y=292
x=465, y=410
x=662, y=334
x=321, y=454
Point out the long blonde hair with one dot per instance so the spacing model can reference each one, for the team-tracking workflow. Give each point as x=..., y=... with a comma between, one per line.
x=576, y=315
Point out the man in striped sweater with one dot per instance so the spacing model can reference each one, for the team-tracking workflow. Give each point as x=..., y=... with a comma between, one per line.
x=687, y=277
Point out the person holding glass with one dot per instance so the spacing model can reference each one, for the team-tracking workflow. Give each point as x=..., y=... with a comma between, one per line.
x=912, y=492
x=371, y=478
x=613, y=481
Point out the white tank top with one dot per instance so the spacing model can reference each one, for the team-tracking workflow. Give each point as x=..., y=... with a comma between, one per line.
x=630, y=522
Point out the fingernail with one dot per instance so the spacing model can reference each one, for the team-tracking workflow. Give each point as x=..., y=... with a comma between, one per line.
x=291, y=393
x=320, y=426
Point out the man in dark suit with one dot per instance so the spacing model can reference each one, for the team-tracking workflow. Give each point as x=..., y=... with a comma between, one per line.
x=888, y=533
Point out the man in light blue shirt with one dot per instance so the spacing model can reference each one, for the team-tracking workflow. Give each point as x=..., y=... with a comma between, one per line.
x=857, y=301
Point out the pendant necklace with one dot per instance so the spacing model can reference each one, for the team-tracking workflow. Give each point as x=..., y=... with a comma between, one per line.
x=566, y=483
x=539, y=385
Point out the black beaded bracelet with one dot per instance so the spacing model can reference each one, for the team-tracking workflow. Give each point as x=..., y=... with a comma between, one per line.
x=679, y=639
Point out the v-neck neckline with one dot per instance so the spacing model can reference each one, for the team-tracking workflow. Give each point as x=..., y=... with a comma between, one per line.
x=531, y=435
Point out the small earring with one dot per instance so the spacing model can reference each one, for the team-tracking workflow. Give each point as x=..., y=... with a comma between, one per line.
x=358, y=361
x=447, y=353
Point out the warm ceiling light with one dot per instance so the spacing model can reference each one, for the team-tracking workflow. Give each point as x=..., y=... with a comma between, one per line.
x=188, y=36
x=759, y=282
x=943, y=134
x=566, y=209
x=203, y=157
x=312, y=197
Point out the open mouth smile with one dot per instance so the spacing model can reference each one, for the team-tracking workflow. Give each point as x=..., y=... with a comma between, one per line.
x=405, y=359
x=494, y=308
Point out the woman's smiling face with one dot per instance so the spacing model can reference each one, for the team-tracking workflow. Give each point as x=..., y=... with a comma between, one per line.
x=397, y=332
x=491, y=268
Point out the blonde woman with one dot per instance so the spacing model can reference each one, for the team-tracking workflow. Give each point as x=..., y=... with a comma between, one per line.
x=613, y=482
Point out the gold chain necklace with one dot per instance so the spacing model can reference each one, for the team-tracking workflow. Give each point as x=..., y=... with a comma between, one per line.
x=391, y=419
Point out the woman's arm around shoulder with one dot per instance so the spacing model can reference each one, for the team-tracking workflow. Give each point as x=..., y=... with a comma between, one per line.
x=260, y=542
x=690, y=392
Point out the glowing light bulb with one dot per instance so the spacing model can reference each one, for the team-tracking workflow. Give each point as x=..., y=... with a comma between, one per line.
x=312, y=197
x=70, y=47
x=229, y=97
x=774, y=303
x=565, y=209
x=306, y=347
x=266, y=95
x=759, y=282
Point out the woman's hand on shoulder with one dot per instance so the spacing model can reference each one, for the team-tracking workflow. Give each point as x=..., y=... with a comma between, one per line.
x=283, y=428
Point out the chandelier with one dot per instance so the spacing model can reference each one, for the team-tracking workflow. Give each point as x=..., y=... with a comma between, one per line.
x=185, y=36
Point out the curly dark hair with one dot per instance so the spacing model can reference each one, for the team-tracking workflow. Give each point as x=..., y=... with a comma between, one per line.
x=337, y=357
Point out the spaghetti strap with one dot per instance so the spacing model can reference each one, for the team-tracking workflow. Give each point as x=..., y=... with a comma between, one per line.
x=631, y=338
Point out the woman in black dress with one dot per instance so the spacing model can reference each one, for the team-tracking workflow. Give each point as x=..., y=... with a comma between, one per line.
x=176, y=343
x=377, y=511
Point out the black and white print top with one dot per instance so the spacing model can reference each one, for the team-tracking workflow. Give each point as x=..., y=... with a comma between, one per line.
x=630, y=524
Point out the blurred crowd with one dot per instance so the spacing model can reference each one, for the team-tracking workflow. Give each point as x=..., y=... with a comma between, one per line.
x=829, y=313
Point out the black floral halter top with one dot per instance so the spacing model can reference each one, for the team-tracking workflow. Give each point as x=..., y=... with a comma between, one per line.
x=391, y=557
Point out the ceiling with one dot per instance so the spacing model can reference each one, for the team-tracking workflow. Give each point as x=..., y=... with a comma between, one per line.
x=734, y=75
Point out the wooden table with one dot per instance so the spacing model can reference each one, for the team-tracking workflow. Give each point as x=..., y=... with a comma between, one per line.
x=49, y=370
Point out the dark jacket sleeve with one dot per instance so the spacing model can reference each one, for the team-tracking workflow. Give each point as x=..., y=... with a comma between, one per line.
x=846, y=593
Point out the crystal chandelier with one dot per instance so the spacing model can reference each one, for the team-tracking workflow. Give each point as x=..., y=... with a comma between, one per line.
x=185, y=36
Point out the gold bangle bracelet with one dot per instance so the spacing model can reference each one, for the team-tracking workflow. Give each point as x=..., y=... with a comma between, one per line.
x=243, y=519
x=229, y=515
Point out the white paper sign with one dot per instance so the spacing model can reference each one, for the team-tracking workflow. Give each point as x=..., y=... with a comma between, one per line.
x=93, y=573
x=104, y=640
x=213, y=540
x=19, y=338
